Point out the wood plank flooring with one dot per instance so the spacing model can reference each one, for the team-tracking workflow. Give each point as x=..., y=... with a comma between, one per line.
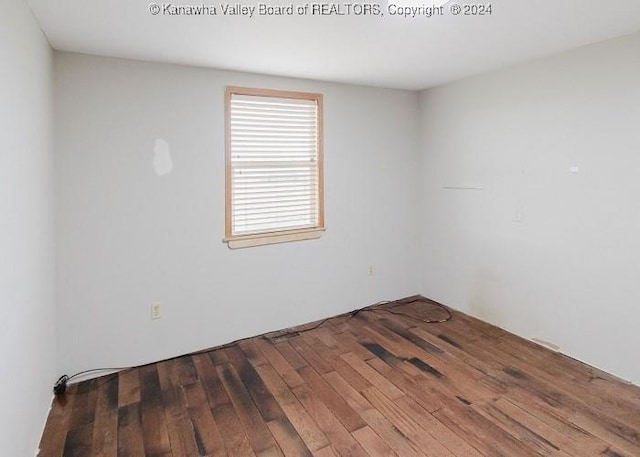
x=376, y=384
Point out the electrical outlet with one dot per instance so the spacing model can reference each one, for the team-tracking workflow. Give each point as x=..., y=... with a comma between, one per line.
x=518, y=216
x=155, y=311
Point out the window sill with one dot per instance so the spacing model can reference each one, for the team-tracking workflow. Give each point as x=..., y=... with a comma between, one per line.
x=262, y=239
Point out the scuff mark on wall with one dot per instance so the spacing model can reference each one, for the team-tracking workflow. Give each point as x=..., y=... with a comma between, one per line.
x=162, y=162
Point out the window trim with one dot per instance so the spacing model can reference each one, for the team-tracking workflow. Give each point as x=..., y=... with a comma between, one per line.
x=278, y=236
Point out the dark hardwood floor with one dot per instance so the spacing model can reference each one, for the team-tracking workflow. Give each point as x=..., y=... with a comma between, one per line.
x=376, y=384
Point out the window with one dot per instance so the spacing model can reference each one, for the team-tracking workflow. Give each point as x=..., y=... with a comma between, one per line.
x=274, y=168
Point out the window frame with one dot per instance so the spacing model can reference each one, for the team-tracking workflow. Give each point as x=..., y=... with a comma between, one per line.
x=274, y=236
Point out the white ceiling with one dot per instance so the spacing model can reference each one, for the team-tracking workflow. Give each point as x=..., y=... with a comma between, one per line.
x=370, y=50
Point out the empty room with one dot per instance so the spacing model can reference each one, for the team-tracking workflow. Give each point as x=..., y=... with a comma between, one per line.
x=291, y=228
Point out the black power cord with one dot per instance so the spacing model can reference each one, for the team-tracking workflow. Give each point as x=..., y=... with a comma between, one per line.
x=60, y=386
x=447, y=318
x=373, y=309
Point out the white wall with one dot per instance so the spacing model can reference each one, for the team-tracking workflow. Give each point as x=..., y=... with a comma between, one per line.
x=568, y=273
x=27, y=322
x=128, y=237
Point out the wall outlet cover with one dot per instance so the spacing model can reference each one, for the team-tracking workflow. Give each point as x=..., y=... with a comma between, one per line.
x=155, y=311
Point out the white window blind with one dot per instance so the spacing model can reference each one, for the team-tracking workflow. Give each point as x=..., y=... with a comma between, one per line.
x=274, y=163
